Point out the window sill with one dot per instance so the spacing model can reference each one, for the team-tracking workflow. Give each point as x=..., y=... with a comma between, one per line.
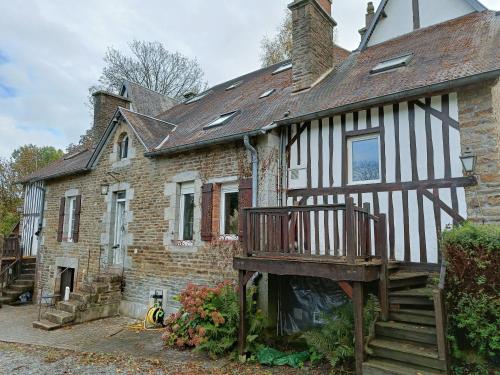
x=228, y=237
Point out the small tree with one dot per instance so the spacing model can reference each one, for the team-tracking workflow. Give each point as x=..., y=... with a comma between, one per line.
x=279, y=47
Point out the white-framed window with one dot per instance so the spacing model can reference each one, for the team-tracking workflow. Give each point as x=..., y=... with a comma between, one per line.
x=363, y=161
x=120, y=198
x=186, y=211
x=229, y=210
x=123, y=147
x=69, y=219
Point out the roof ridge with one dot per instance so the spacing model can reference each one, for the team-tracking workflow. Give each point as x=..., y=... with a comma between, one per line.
x=151, y=117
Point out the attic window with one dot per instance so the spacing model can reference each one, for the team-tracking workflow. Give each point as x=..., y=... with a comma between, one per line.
x=197, y=97
x=221, y=120
x=234, y=85
x=267, y=93
x=392, y=64
x=282, y=68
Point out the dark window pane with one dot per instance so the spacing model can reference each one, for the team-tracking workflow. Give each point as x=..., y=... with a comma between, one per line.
x=188, y=217
x=231, y=213
x=365, y=160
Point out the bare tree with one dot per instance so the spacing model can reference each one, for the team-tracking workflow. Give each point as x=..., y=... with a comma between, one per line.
x=153, y=66
x=279, y=47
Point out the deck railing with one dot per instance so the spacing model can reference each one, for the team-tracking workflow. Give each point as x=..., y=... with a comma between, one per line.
x=11, y=247
x=11, y=269
x=342, y=231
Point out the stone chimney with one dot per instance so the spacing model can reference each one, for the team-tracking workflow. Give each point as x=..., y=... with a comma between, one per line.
x=105, y=106
x=370, y=12
x=312, y=34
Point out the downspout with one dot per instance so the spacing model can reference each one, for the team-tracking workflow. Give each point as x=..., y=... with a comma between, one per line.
x=255, y=168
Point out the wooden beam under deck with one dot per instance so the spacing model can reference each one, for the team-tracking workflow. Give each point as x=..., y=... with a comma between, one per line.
x=328, y=269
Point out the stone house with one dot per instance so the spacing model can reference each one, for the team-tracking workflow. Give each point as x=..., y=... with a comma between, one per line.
x=385, y=128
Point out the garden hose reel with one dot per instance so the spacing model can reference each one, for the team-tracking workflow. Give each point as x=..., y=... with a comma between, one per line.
x=155, y=315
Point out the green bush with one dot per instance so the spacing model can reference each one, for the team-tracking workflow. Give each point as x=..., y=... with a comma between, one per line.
x=208, y=320
x=473, y=256
x=334, y=341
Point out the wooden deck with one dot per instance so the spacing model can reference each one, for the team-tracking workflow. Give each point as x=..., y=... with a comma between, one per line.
x=340, y=242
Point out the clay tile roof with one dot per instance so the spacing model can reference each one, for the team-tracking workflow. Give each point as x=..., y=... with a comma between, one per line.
x=456, y=49
x=147, y=101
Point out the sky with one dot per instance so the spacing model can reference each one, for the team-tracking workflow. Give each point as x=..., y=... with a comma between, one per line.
x=52, y=51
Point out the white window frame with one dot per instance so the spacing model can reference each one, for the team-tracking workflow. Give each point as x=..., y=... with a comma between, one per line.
x=186, y=188
x=350, y=141
x=226, y=189
x=121, y=147
x=117, y=232
x=69, y=228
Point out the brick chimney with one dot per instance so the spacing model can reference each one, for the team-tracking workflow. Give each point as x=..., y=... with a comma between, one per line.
x=312, y=34
x=370, y=12
x=105, y=106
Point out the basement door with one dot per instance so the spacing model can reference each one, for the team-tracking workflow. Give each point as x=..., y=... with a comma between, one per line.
x=119, y=229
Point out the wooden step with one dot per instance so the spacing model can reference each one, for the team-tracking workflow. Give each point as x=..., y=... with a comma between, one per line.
x=11, y=293
x=408, y=352
x=406, y=331
x=407, y=279
x=375, y=366
x=4, y=300
x=59, y=317
x=424, y=317
x=421, y=297
x=46, y=325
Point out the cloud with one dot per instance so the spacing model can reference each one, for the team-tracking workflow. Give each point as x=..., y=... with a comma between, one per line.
x=51, y=54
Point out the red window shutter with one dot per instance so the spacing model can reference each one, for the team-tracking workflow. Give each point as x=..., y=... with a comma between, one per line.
x=61, y=220
x=206, y=211
x=76, y=223
x=244, y=201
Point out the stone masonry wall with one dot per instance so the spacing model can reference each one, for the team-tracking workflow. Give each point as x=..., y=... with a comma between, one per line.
x=479, y=117
x=153, y=259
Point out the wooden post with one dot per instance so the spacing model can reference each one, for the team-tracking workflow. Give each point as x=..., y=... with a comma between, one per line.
x=359, y=339
x=242, y=294
x=349, y=231
x=384, y=270
x=246, y=232
x=440, y=324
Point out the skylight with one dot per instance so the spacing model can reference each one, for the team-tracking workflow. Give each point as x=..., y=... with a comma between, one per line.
x=267, y=93
x=282, y=68
x=221, y=120
x=392, y=64
x=234, y=85
x=197, y=97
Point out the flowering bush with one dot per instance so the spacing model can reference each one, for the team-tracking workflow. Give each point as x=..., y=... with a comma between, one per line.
x=208, y=319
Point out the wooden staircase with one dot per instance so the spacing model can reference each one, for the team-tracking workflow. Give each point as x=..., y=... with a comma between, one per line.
x=24, y=283
x=406, y=344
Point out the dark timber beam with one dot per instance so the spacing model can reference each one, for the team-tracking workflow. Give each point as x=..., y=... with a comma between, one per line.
x=336, y=271
x=359, y=345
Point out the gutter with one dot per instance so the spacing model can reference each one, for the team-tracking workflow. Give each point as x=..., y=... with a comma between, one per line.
x=399, y=96
x=205, y=143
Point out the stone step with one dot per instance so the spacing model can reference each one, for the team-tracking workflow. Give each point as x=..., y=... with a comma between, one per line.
x=23, y=282
x=408, y=352
x=376, y=366
x=11, y=293
x=59, y=317
x=5, y=300
x=407, y=279
x=425, y=317
x=46, y=325
x=21, y=288
x=82, y=297
x=406, y=331
x=69, y=306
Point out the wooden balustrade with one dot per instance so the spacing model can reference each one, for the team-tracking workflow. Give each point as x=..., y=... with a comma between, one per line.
x=341, y=231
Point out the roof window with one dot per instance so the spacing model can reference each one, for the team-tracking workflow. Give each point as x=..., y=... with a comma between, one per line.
x=221, y=120
x=282, y=68
x=197, y=97
x=267, y=93
x=234, y=85
x=394, y=63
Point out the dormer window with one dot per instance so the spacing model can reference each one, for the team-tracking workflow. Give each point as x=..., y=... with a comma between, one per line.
x=123, y=147
x=221, y=120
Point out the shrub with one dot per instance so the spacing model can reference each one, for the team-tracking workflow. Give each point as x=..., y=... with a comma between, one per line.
x=334, y=341
x=472, y=252
x=208, y=319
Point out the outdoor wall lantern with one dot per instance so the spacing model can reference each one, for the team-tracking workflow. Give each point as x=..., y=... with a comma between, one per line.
x=468, y=160
x=104, y=189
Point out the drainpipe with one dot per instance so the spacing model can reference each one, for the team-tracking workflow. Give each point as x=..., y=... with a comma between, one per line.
x=255, y=168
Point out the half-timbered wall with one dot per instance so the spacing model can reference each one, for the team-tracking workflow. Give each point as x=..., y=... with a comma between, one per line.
x=421, y=187
x=33, y=200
